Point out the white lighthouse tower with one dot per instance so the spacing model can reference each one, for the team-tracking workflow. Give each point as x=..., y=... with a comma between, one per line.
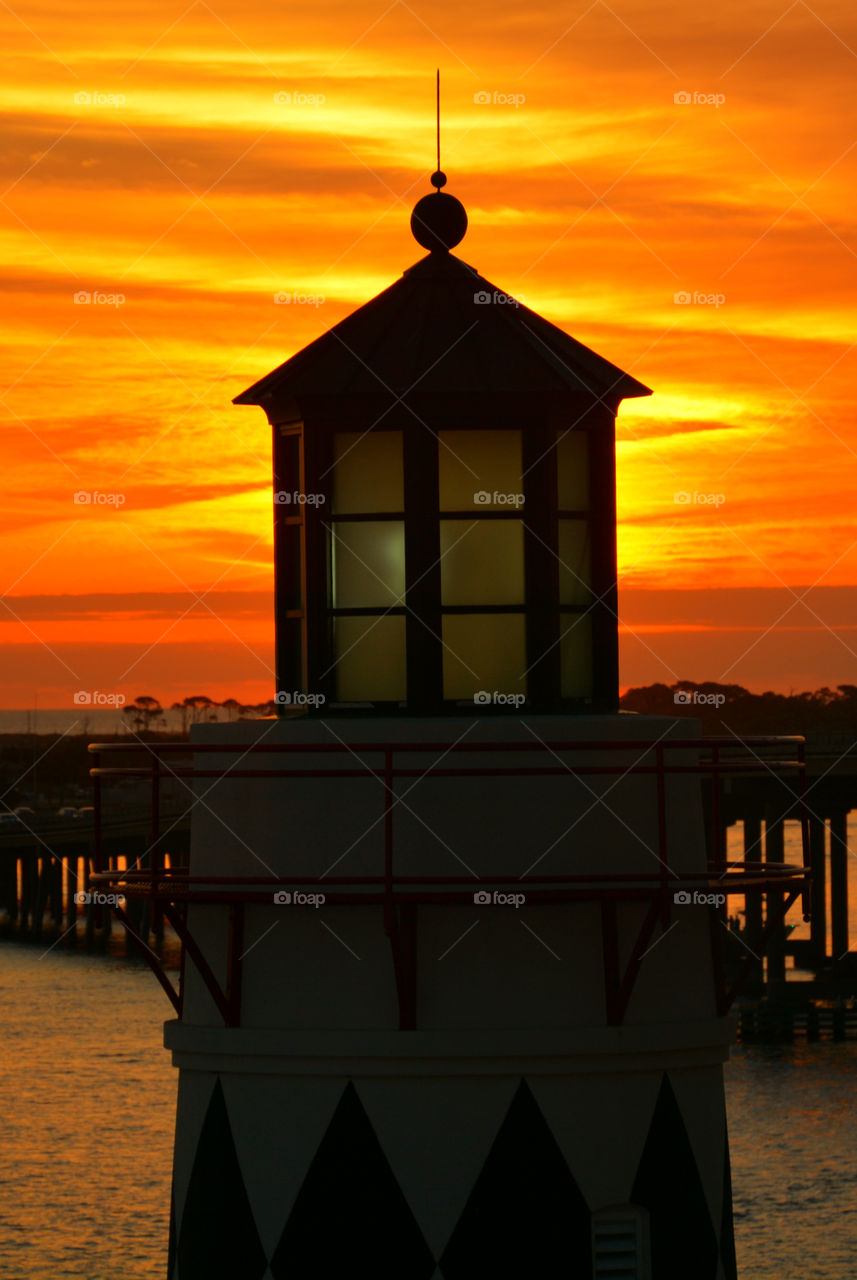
x=450, y=1006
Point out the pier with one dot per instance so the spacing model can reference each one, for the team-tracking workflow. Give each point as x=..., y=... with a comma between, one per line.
x=762, y=806
x=46, y=865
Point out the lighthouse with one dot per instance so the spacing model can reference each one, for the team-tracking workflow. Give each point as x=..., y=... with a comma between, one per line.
x=450, y=1003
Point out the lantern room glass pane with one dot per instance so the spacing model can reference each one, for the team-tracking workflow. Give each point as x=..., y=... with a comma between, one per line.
x=370, y=659
x=572, y=470
x=367, y=472
x=287, y=479
x=289, y=567
x=368, y=563
x=482, y=562
x=477, y=465
x=290, y=665
x=575, y=648
x=575, y=570
x=484, y=653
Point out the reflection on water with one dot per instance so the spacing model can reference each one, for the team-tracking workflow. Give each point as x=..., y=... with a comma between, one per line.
x=88, y=1097
x=793, y=1133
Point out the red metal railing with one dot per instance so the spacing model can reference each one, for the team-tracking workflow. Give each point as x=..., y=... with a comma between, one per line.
x=172, y=891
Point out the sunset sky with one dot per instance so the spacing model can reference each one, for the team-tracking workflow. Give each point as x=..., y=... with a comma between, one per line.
x=183, y=163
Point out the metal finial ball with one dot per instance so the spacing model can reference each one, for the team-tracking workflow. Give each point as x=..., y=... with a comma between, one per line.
x=438, y=179
x=438, y=222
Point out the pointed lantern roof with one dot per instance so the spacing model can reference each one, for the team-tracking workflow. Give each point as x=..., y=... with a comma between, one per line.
x=442, y=329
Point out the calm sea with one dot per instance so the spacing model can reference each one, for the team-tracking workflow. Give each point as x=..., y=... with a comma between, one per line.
x=87, y=720
x=88, y=1102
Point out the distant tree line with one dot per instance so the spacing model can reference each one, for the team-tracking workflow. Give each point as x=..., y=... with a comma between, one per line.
x=145, y=714
x=721, y=707
x=53, y=763
x=724, y=707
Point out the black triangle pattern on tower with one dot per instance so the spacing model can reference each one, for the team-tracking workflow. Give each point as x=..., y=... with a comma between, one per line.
x=350, y=1215
x=218, y=1239
x=526, y=1215
x=683, y=1239
x=727, y=1226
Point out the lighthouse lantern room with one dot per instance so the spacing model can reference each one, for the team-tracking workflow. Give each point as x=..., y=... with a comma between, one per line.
x=444, y=500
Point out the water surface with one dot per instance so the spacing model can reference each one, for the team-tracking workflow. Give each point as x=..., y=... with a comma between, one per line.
x=88, y=1105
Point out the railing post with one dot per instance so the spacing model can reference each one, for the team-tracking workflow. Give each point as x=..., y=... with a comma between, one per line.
x=234, y=963
x=716, y=824
x=806, y=896
x=818, y=862
x=97, y=833
x=96, y=804
x=610, y=960
x=774, y=852
x=388, y=839
x=753, y=899
x=663, y=855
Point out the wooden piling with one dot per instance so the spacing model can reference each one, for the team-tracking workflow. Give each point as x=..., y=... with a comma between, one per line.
x=753, y=901
x=775, y=852
x=818, y=862
x=839, y=884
